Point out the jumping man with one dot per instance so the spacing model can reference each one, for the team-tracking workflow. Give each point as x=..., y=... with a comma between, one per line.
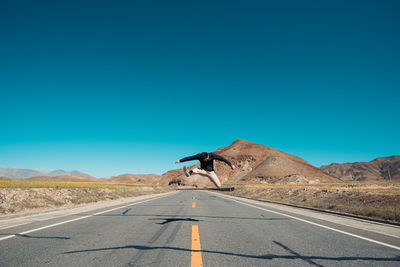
x=206, y=166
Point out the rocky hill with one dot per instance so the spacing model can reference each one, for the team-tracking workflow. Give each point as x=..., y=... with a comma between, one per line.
x=173, y=177
x=258, y=163
x=385, y=168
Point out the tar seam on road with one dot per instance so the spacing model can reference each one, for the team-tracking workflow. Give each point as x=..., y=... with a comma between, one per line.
x=194, y=205
x=196, y=259
x=316, y=224
x=80, y=218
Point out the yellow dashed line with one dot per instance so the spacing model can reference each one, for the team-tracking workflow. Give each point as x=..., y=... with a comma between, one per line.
x=196, y=249
x=194, y=205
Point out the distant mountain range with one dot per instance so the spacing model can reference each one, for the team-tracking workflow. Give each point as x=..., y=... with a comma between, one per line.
x=259, y=163
x=254, y=162
x=74, y=176
x=18, y=173
x=385, y=168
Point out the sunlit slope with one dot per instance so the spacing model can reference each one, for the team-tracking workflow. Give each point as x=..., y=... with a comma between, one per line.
x=258, y=163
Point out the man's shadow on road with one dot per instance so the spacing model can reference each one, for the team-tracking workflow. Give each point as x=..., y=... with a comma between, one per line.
x=168, y=220
x=293, y=255
x=39, y=237
x=125, y=214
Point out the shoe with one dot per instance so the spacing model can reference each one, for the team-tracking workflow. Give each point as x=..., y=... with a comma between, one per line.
x=185, y=170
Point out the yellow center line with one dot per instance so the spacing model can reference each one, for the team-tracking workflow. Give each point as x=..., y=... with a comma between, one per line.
x=196, y=249
x=194, y=205
x=193, y=195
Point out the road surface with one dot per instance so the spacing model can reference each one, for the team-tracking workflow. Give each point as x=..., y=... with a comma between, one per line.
x=195, y=228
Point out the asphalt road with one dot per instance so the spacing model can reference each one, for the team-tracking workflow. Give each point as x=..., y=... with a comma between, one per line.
x=193, y=228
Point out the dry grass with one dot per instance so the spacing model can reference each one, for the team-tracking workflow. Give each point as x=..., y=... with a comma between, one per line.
x=48, y=184
x=22, y=196
x=374, y=186
x=373, y=199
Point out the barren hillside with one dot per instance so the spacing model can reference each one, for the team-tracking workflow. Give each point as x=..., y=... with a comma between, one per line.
x=385, y=168
x=260, y=163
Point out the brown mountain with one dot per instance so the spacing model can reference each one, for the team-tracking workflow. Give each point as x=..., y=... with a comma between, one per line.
x=385, y=168
x=174, y=176
x=259, y=163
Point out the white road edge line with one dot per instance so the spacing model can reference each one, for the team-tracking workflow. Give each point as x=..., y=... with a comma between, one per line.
x=83, y=217
x=313, y=223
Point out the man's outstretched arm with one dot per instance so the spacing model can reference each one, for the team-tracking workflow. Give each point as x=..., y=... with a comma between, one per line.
x=221, y=158
x=197, y=156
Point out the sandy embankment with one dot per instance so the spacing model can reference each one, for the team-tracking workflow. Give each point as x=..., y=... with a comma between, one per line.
x=22, y=200
x=367, y=201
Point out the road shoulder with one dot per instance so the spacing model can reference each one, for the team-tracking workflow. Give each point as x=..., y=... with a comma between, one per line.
x=380, y=228
x=21, y=219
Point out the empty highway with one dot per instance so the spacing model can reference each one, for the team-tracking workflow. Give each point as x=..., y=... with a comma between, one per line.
x=199, y=228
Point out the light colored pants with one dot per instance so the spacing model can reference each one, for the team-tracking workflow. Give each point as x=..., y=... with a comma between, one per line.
x=211, y=175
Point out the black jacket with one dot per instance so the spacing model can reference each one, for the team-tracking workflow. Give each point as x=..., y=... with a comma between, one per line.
x=209, y=164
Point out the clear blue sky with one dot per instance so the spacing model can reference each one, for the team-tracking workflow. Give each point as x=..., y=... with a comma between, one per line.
x=109, y=87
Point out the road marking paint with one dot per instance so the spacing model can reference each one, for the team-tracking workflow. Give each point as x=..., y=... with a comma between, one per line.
x=193, y=195
x=196, y=249
x=80, y=218
x=316, y=224
x=194, y=205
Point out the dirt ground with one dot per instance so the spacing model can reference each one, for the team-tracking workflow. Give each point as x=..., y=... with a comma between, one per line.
x=22, y=200
x=380, y=201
